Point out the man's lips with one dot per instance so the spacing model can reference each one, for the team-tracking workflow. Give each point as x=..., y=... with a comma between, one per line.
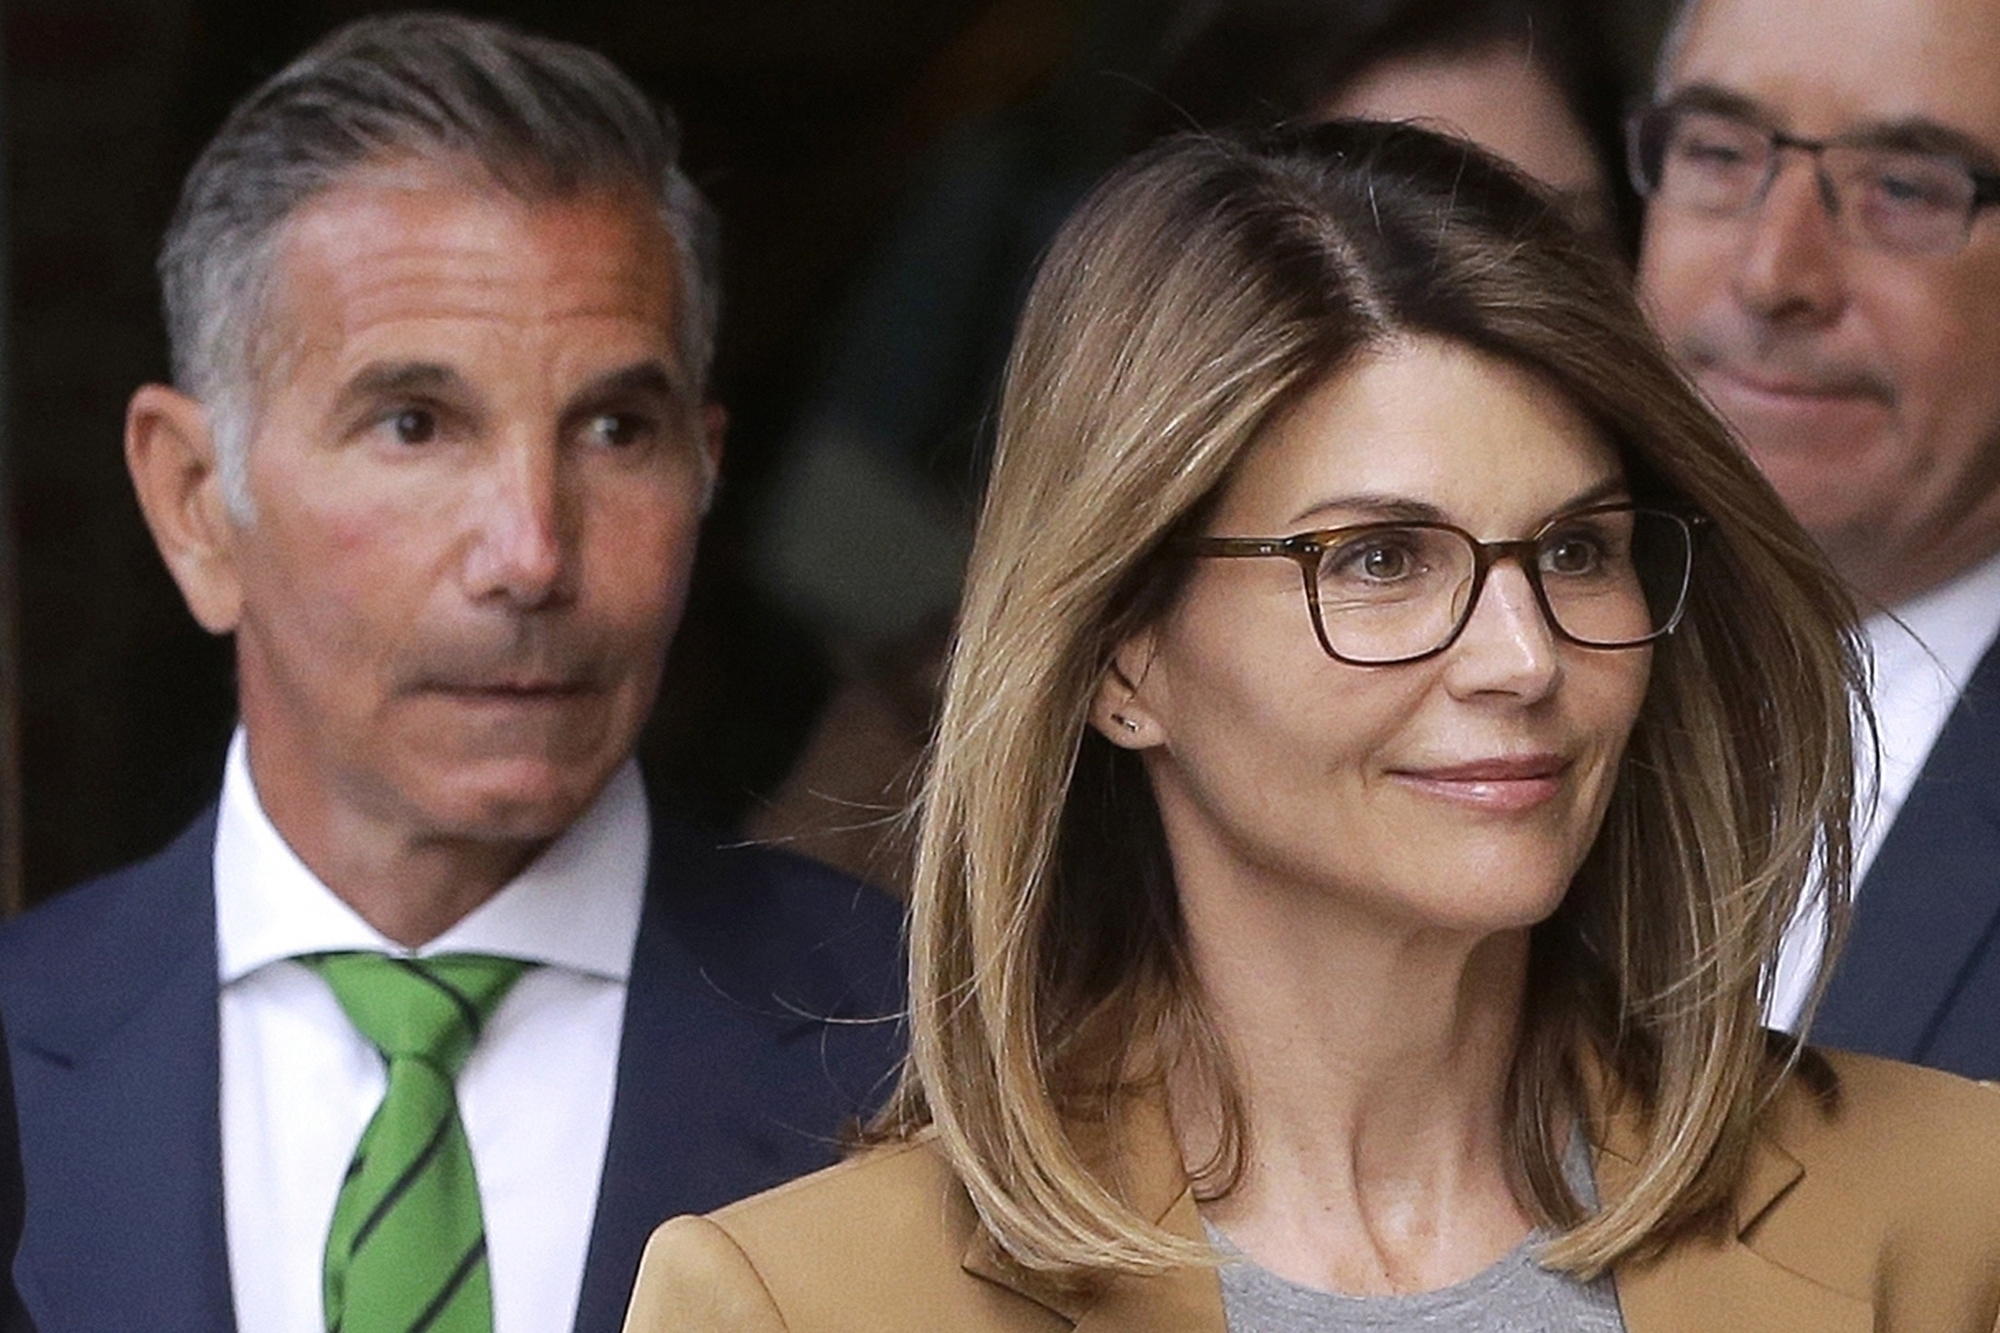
x=509, y=691
x=1777, y=388
x=1499, y=782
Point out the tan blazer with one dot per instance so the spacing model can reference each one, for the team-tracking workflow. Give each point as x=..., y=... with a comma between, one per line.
x=1883, y=1217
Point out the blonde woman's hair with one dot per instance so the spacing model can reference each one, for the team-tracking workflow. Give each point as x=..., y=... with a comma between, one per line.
x=1200, y=291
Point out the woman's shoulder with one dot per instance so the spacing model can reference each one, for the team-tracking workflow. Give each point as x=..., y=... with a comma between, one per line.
x=877, y=1242
x=1889, y=1186
x=1891, y=1124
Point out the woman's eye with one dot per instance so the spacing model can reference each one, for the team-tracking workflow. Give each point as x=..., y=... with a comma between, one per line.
x=1372, y=562
x=1385, y=562
x=1572, y=555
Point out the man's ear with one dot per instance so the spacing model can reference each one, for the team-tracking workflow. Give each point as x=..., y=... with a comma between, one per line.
x=714, y=426
x=170, y=453
x=1119, y=712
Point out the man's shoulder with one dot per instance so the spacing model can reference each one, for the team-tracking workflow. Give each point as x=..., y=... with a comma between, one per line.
x=756, y=911
x=101, y=921
x=701, y=870
x=77, y=965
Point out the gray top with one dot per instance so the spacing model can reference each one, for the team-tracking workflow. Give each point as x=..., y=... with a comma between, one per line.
x=1515, y=1295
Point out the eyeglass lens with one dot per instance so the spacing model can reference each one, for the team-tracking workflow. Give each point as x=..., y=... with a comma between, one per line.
x=1608, y=579
x=1895, y=199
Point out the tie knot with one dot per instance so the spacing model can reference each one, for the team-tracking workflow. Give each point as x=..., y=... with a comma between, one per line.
x=428, y=1009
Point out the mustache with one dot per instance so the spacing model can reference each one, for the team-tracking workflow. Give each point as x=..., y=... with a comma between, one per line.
x=518, y=653
x=1777, y=355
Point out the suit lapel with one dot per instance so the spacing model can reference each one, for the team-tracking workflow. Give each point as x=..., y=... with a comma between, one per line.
x=117, y=1071
x=643, y=1156
x=692, y=1121
x=1929, y=910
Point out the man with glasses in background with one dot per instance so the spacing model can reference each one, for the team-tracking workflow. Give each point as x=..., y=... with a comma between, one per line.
x=1822, y=251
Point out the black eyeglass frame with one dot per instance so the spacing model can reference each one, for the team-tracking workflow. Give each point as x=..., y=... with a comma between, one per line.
x=1305, y=549
x=1644, y=143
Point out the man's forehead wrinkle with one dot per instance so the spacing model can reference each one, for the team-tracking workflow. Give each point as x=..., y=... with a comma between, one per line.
x=412, y=305
x=426, y=267
x=369, y=241
x=1830, y=65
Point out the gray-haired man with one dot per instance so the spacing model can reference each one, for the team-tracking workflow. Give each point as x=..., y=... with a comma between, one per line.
x=428, y=1022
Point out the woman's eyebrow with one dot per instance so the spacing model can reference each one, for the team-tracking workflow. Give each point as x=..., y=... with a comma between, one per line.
x=1383, y=507
x=1613, y=487
x=1374, y=507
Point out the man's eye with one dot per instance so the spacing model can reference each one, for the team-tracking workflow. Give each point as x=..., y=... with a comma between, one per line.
x=1715, y=145
x=1708, y=152
x=414, y=425
x=1916, y=184
x=621, y=429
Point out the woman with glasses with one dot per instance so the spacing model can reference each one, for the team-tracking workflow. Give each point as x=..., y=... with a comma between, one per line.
x=1388, y=731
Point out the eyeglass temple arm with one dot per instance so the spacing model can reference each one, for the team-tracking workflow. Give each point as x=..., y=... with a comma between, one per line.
x=1244, y=546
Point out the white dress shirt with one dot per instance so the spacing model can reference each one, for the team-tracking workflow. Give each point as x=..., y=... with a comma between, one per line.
x=299, y=1083
x=1923, y=654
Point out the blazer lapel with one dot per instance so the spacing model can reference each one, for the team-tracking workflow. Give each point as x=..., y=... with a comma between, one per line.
x=1698, y=1287
x=1138, y=1152
x=1703, y=1287
x=1724, y=1283
x=1187, y=1300
x=1929, y=910
x=117, y=1069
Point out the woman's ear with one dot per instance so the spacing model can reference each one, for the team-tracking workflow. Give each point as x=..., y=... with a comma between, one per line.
x=1120, y=712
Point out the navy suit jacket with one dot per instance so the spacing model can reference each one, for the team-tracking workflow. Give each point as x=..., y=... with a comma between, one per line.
x=754, y=1033
x=13, y=1319
x=1920, y=977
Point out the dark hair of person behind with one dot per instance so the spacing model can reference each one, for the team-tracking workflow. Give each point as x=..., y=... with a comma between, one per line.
x=1266, y=62
x=1201, y=291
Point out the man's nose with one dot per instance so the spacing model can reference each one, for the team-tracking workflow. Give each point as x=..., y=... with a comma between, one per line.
x=521, y=549
x=1508, y=646
x=1788, y=270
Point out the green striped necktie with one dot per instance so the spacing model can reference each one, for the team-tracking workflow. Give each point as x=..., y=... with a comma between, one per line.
x=407, y=1249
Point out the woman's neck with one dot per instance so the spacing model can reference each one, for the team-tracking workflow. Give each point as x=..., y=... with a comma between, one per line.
x=1373, y=1062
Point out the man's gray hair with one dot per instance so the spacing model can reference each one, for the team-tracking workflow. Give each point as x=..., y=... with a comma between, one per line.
x=543, y=119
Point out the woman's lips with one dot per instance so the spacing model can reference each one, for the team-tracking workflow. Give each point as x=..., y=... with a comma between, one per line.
x=1502, y=784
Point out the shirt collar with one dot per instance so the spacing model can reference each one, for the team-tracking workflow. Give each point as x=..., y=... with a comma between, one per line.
x=1943, y=632
x=576, y=906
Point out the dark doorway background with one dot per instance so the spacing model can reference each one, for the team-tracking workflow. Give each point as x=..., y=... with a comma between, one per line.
x=806, y=121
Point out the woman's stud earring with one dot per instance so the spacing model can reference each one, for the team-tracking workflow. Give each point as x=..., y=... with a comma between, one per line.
x=1125, y=722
